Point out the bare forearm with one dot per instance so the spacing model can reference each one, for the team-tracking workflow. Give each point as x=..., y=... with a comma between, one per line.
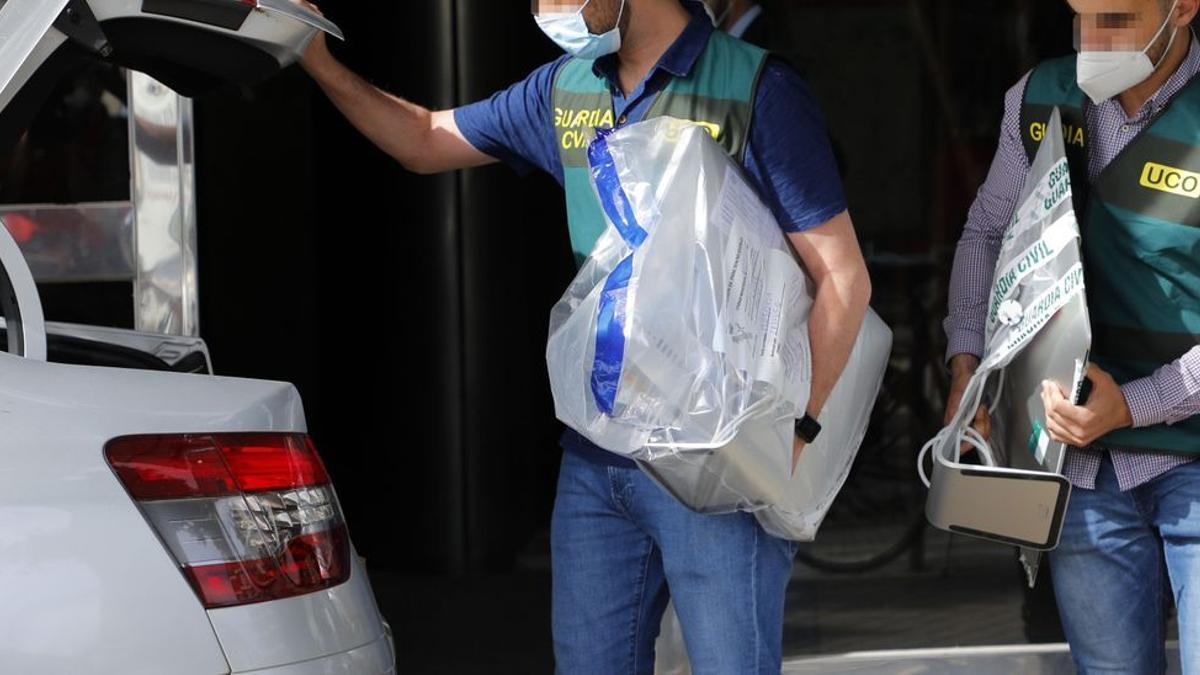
x=423, y=141
x=837, y=315
x=398, y=127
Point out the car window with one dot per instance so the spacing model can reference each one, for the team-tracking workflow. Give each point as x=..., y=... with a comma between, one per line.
x=75, y=149
x=65, y=187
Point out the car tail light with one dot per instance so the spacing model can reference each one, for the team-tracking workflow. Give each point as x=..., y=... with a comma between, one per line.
x=248, y=517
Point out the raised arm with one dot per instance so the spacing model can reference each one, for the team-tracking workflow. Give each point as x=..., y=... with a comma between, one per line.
x=423, y=141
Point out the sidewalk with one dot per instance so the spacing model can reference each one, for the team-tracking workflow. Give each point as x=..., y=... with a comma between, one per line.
x=1053, y=659
x=969, y=594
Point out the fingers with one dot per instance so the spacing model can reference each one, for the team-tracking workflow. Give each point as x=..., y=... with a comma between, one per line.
x=1068, y=414
x=983, y=422
x=1051, y=395
x=1056, y=431
x=1073, y=415
x=1065, y=433
x=1065, y=422
x=1056, y=388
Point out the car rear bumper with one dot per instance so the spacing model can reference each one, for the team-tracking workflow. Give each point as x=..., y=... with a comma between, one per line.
x=376, y=658
x=262, y=636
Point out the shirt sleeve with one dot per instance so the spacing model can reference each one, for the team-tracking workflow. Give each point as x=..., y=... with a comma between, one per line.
x=789, y=158
x=987, y=221
x=1171, y=395
x=515, y=125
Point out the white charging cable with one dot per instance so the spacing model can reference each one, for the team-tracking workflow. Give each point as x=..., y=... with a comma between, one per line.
x=964, y=434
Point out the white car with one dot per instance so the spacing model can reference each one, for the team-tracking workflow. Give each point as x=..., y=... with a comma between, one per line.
x=152, y=521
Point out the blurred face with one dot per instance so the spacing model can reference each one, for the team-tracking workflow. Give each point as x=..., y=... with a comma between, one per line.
x=601, y=16
x=1122, y=26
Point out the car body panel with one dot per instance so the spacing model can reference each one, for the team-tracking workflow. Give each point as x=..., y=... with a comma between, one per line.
x=85, y=580
x=26, y=41
x=23, y=24
x=25, y=323
x=376, y=658
x=170, y=348
x=282, y=32
x=306, y=627
x=86, y=585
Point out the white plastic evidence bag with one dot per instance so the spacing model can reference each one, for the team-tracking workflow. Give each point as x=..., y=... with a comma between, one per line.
x=683, y=341
x=1037, y=329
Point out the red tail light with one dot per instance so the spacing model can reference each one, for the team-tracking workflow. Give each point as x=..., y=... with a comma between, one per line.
x=248, y=517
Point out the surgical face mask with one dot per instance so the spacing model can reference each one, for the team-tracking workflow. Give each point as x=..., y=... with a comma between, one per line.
x=569, y=31
x=1104, y=74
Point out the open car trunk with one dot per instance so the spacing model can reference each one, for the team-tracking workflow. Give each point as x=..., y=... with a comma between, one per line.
x=189, y=45
x=99, y=591
x=82, y=345
x=192, y=46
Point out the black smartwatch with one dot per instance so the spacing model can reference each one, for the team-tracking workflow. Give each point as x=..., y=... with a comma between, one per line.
x=808, y=429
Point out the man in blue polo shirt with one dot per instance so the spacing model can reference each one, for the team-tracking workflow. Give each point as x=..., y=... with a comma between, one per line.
x=618, y=540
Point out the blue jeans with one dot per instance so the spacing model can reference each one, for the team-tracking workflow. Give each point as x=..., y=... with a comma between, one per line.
x=618, y=541
x=1118, y=551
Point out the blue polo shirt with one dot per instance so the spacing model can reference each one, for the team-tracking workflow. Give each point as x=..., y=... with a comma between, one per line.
x=788, y=157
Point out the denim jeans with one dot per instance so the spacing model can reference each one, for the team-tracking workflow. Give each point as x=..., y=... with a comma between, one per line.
x=1118, y=551
x=619, y=541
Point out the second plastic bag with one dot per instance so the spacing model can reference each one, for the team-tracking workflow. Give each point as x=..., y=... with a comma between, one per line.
x=683, y=341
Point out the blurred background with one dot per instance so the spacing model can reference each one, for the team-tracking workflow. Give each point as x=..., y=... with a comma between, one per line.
x=411, y=311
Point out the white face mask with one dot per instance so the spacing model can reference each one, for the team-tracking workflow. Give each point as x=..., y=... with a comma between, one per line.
x=570, y=31
x=1103, y=75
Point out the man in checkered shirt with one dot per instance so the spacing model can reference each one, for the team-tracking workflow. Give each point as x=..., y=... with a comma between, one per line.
x=1131, y=106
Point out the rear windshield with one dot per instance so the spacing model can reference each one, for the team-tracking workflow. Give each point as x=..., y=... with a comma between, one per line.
x=75, y=147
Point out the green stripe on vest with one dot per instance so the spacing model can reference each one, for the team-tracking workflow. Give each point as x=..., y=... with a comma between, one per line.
x=1141, y=240
x=718, y=94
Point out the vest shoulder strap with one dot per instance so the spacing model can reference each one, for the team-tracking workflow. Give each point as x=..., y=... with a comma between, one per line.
x=578, y=76
x=1157, y=175
x=1180, y=122
x=728, y=69
x=719, y=93
x=1053, y=84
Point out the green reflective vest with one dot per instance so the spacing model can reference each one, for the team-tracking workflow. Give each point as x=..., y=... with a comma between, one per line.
x=1140, y=221
x=718, y=95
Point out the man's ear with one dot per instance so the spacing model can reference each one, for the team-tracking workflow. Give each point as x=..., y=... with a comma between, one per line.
x=1186, y=12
